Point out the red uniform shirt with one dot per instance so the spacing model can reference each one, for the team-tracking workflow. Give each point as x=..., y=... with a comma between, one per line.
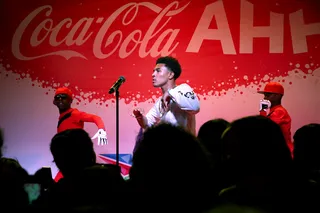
x=280, y=115
x=76, y=120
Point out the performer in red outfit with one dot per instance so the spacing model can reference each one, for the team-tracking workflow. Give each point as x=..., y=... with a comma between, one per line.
x=71, y=118
x=271, y=107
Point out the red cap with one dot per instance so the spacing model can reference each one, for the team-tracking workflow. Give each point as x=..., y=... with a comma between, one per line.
x=63, y=90
x=273, y=87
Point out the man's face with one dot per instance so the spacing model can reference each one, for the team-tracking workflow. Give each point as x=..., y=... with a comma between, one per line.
x=272, y=97
x=62, y=101
x=161, y=75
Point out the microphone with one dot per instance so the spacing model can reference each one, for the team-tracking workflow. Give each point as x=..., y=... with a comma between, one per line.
x=117, y=84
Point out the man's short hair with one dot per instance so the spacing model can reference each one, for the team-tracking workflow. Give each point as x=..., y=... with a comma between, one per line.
x=172, y=63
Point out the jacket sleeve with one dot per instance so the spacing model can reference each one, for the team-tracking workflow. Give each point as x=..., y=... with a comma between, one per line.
x=86, y=117
x=185, y=98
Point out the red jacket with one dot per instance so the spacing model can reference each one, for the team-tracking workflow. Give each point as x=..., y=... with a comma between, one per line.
x=76, y=120
x=280, y=115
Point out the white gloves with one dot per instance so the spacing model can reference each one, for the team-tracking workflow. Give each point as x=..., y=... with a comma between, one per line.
x=102, y=137
x=264, y=105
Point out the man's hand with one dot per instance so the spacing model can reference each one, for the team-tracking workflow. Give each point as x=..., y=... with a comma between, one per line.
x=137, y=113
x=102, y=137
x=141, y=119
x=165, y=101
x=264, y=105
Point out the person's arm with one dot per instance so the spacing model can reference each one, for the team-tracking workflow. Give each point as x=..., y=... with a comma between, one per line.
x=141, y=119
x=185, y=98
x=87, y=117
x=101, y=133
x=152, y=117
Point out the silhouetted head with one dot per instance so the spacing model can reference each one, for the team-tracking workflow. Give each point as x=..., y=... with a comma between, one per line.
x=307, y=147
x=12, y=179
x=72, y=150
x=256, y=145
x=171, y=161
x=210, y=134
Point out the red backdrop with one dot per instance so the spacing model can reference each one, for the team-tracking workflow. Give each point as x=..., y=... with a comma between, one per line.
x=228, y=49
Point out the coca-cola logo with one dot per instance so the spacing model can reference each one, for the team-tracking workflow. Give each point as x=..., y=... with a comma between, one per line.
x=219, y=44
x=101, y=49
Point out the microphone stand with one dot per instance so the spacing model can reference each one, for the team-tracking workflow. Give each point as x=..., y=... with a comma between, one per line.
x=117, y=127
x=115, y=88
